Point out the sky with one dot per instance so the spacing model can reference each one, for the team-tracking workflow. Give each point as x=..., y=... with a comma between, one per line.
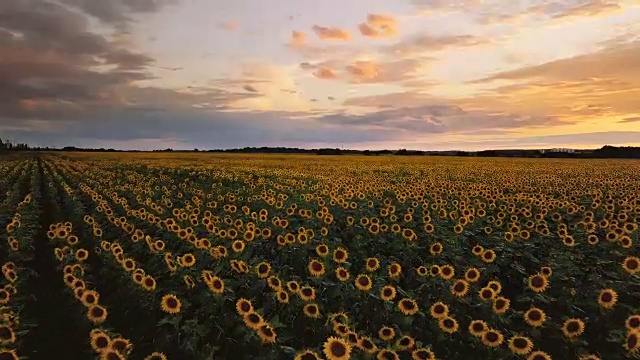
x=360, y=74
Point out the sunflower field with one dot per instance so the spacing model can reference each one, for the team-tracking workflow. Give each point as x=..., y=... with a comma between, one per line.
x=216, y=256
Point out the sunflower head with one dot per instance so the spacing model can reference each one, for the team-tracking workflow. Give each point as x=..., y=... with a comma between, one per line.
x=170, y=304
x=535, y=317
x=520, y=345
x=439, y=310
x=388, y=293
x=492, y=338
x=243, y=306
x=573, y=327
x=608, y=298
x=408, y=306
x=448, y=324
x=336, y=349
x=253, y=320
x=477, y=327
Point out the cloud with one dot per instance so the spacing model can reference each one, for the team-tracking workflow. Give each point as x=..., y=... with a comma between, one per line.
x=298, y=38
x=228, y=25
x=378, y=26
x=118, y=13
x=630, y=119
x=331, y=33
x=250, y=88
x=422, y=43
x=601, y=84
x=368, y=71
x=324, y=73
x=618, y=62
x=589, y=9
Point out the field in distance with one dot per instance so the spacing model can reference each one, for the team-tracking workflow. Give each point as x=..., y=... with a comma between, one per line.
x=220, y=256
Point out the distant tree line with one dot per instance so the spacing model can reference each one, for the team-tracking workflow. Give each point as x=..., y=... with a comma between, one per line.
x=606, y=152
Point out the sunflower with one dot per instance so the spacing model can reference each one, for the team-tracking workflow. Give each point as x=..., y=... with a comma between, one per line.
x=99, y=340
x=448, y=324
x=120, y=345
x=488, y=256
x=216, y=285
x=573, y=328
x=439, y=310
x=367, y=345
x=520, y=345
x=372, y=264
x=89, y=297
x=253, y=320
x=311, y=310
x=341, y=329
x=477, y=327
x=472, y=275
x=486, y=293
x=460, y=288
x=342, y=274
x=535, y=317
x=110, y=354
x=340, y=255
x=538, y=355
x=447, y=272
x=495, y=286
x=405, y=343
x=546, y=271
x=267, y=334
x=501, y=305
x=387, y=354
x=274, y=283
x=336, y=349
x=423, y=354
x=244, y=306
x=170, y=304
x=316, y=268
x=435, y=248
x=147, y=282
x=388, y=293
x=4, y=296
x=237, y=246
x=97, y=314
x=538, y=283
x=386, y=333
x=307, y=293
x=632, y=342
x=293, y=286
x=434, y=270
x=631, y=264
x=477, y=250
x=322, y=250
x=363, y=282
x=589, y=357
x=423, y=271
x=282, y=296
x=408, y=306
x=156, y=356
x=307, y=355
x=632, y=323
x=607, y=298
x=339, y=318
x=7, y=336
x=82, y=254
x=263, y=269
x=394, y=270
x=492, y=338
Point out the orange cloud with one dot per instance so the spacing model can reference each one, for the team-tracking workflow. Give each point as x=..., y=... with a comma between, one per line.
x=331, y=33
x=363, y=70
x=324, y=73
x=298, y=38
x=600, y=85
x=594, y=8
x=378, y=26
x=422, y=43
x=228, y=26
